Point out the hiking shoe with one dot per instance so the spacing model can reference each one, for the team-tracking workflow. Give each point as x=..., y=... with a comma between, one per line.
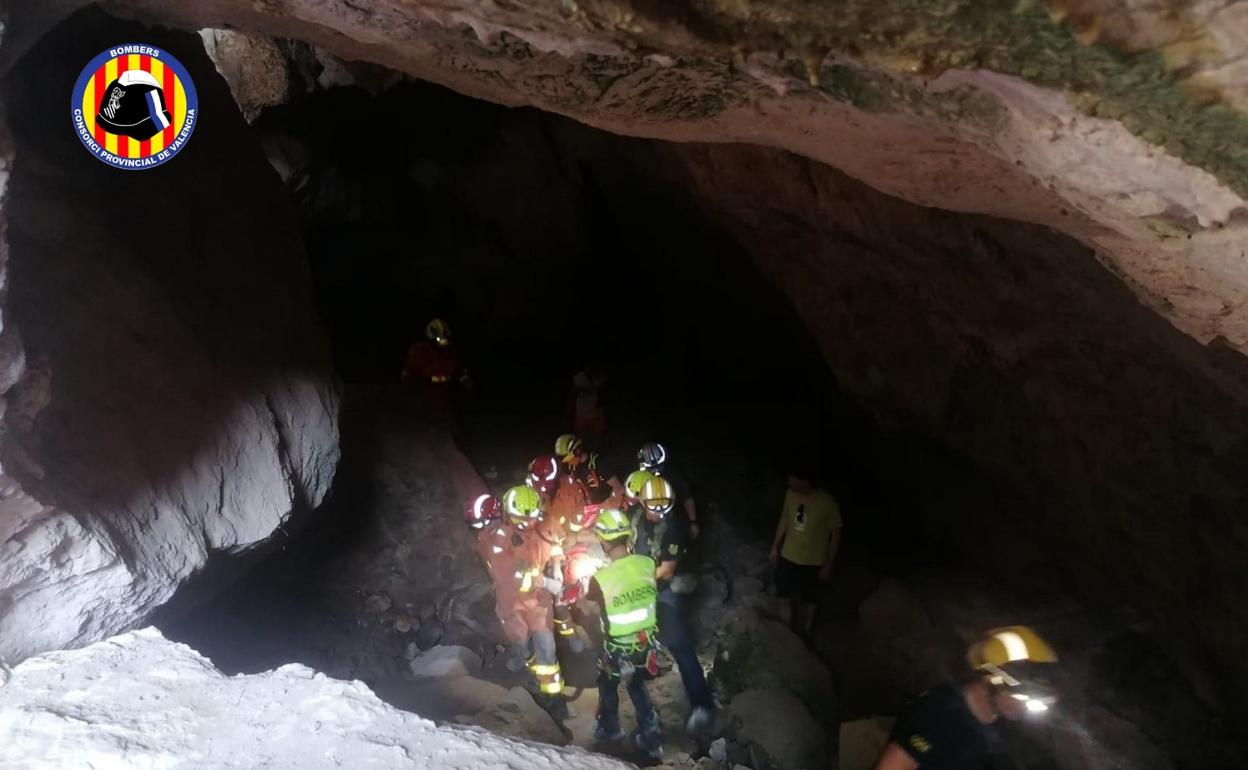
x=604, y=735
x=700, y=721
x=654, y=752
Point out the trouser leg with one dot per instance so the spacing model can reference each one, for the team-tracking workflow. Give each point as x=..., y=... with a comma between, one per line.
x=546, y=662
x=647, y=714
x=608, y=703
x=563, y=621
x=674, y=633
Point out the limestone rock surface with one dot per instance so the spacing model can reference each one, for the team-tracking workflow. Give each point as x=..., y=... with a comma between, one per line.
x=180, y=399
x=138, y=701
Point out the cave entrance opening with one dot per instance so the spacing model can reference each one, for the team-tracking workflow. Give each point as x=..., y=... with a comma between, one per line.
x=550, y=248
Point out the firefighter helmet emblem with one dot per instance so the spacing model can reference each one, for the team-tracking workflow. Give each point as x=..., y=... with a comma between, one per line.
x=134, y=106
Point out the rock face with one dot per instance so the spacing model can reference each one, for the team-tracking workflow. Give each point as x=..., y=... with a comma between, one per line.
x=985, y=107
x=254, y=67
x=760, y=654
x=138, y=700
x=179, y=400
x=779, y=721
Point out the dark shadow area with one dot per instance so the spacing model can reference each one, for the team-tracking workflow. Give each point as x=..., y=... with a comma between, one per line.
x=548, y=254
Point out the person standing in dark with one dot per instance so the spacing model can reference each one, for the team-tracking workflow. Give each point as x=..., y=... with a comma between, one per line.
x=808, y=536
x=654, y=457
x=433, y=368
x=665, y=539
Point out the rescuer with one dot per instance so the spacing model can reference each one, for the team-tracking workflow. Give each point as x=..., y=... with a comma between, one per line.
x=601, y=488
x=810, y=531
x=434, y=367
x=583, y=554
x=633, y=484
x=627, y=591
x=517, y=558
x=613, y=525
x=951, y=726
x=543, y=476
x=665, y=538
x=654, y=457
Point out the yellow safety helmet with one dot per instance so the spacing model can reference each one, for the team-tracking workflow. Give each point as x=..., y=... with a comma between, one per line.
x=523, y=506
x=657, y=495
x=438, y=331
x=635, y=481
x=567, y=446
x=1008, y=659
x=612, y=524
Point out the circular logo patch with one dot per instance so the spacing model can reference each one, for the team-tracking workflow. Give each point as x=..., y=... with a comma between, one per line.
x=134, y=106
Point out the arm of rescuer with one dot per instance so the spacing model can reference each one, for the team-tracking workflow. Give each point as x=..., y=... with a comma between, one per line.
x=896, y=758
x=674, y=544
x=594, y=594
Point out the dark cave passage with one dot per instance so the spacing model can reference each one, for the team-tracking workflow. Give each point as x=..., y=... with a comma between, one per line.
x=600, y=261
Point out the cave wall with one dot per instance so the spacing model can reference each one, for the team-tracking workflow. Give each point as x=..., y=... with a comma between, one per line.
x=1018, y=111
x=177, y=397
x=1119, y=439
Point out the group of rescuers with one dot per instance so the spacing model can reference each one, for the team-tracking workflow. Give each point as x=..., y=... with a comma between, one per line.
x=570, y=532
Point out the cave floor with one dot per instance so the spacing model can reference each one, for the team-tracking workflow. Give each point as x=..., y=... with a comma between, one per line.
x=384, y=571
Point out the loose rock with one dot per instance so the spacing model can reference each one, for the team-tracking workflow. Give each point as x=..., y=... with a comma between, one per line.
x=446, y=661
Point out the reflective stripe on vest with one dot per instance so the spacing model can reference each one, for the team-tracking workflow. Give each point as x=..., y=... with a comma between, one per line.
x=629, y=594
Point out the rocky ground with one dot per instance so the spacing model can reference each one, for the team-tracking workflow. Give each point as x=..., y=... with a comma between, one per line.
x=139, y=701
x=384, y=587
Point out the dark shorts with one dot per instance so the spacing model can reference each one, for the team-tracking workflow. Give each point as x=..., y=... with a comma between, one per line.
x=797, y=581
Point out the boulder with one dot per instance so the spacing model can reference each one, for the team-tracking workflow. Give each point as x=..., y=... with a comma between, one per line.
x=756, y=653
x=446, y=661
x=429, y=633
x=862, y=741
x=746, y=588
x=517, y=715
x=139, y=700
x=781, y=723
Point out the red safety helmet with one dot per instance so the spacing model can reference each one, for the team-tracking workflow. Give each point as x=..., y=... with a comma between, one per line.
x=543, y=474
x=482, y=511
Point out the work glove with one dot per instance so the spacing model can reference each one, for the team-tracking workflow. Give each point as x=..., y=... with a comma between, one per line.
x=553, y=585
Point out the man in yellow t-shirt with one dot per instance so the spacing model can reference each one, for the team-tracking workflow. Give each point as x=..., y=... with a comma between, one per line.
x=807, y=538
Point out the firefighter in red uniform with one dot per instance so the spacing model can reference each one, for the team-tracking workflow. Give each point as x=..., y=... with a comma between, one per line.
x=434, y=366
x=518, y=556
x=544, y=476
